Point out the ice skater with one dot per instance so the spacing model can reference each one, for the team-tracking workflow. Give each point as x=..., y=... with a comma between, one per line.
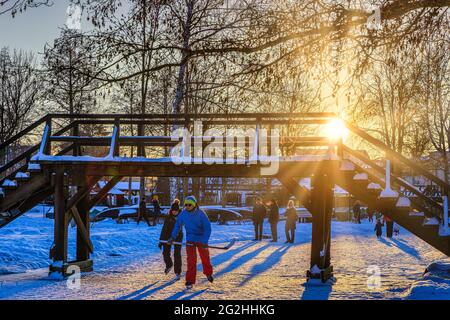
x=291, y=222
x=357, y=211
x=198, y=231
x=274, y=217
x=156, y=209
x=378, y=228
x=396, y=229
x=259, y=213
x=166, y=232
x=142, y=212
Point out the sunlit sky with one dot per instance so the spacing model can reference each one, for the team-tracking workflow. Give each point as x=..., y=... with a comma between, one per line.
x=32, y=29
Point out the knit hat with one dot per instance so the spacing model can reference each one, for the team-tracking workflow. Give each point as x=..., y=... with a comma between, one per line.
x=190, y=200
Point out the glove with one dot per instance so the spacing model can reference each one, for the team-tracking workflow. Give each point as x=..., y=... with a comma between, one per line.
x=170, y=241
x=203, y=245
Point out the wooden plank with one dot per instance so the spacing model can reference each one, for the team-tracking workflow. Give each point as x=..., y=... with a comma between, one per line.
x=24, y=191
x=183, y=116
x=32, y=201
x=234, y=123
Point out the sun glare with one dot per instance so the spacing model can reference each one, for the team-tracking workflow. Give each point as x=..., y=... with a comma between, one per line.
x=335, y=130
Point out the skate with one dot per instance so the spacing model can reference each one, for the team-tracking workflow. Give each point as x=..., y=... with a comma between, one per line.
x=167, y=270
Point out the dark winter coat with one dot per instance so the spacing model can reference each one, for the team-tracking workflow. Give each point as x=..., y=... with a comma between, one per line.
x=379, y=229
x=175, y=207
x=166, y=231
x=142, y=208
x=259, y=213
x=156, y=207
x=274, y=213
x=291, y=218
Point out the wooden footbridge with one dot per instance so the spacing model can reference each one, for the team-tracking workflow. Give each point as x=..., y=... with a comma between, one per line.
x=67, y=159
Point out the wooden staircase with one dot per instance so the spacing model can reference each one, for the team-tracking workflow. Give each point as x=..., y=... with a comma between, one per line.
x=24, y=185
x=408, y=206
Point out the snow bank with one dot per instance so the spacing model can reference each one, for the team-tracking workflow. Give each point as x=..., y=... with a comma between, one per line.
x=434, y=284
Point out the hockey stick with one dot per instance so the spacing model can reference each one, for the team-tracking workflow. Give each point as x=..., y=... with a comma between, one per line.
x=228, y=246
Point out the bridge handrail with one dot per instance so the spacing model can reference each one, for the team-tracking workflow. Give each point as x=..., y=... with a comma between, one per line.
x=149, y=116
x=27, y=153
x=20, y=134
x=395, y=179
x=399, y=157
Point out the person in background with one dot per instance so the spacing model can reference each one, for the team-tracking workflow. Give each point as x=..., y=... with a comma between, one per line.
x=274, y=217
x=357, y=211
x=291, y=222
x=396, y=229
x=156, y=209
x=166, y=232
x=378, y=228
x=142, y=212
x=389, y=226
x=370, y=213
x=198, y=231
x=259, y=213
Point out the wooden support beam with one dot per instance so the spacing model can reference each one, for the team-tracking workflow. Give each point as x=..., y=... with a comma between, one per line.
x=82, y=231
x=302, y=194
x=99, y=196
x=322, y=197
x=83, y=192
x=84, y=244
x=59, y=249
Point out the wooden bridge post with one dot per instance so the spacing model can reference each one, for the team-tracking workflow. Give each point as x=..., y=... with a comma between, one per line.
x=83, y=250
x=59, y=250
x=322, y=197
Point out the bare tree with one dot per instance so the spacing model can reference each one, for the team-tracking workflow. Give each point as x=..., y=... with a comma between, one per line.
x=436, y=99
x=19, y=6
x=67, y=67
x=19, y=91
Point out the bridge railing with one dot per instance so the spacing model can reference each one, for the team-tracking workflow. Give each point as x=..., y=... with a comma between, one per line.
x=170, y=121
x=428, y=204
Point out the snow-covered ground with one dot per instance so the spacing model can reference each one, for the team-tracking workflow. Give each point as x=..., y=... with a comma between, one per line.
x=128, y=265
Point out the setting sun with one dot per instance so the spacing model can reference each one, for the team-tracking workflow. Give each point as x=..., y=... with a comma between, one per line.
x=335, y=130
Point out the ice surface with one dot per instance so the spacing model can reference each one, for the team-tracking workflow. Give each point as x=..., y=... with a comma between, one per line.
x=128, y=263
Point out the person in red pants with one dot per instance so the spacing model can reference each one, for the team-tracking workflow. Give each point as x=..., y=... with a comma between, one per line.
x=198, y=231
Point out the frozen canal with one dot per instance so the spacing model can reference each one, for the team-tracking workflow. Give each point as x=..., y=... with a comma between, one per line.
x=128, y=265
